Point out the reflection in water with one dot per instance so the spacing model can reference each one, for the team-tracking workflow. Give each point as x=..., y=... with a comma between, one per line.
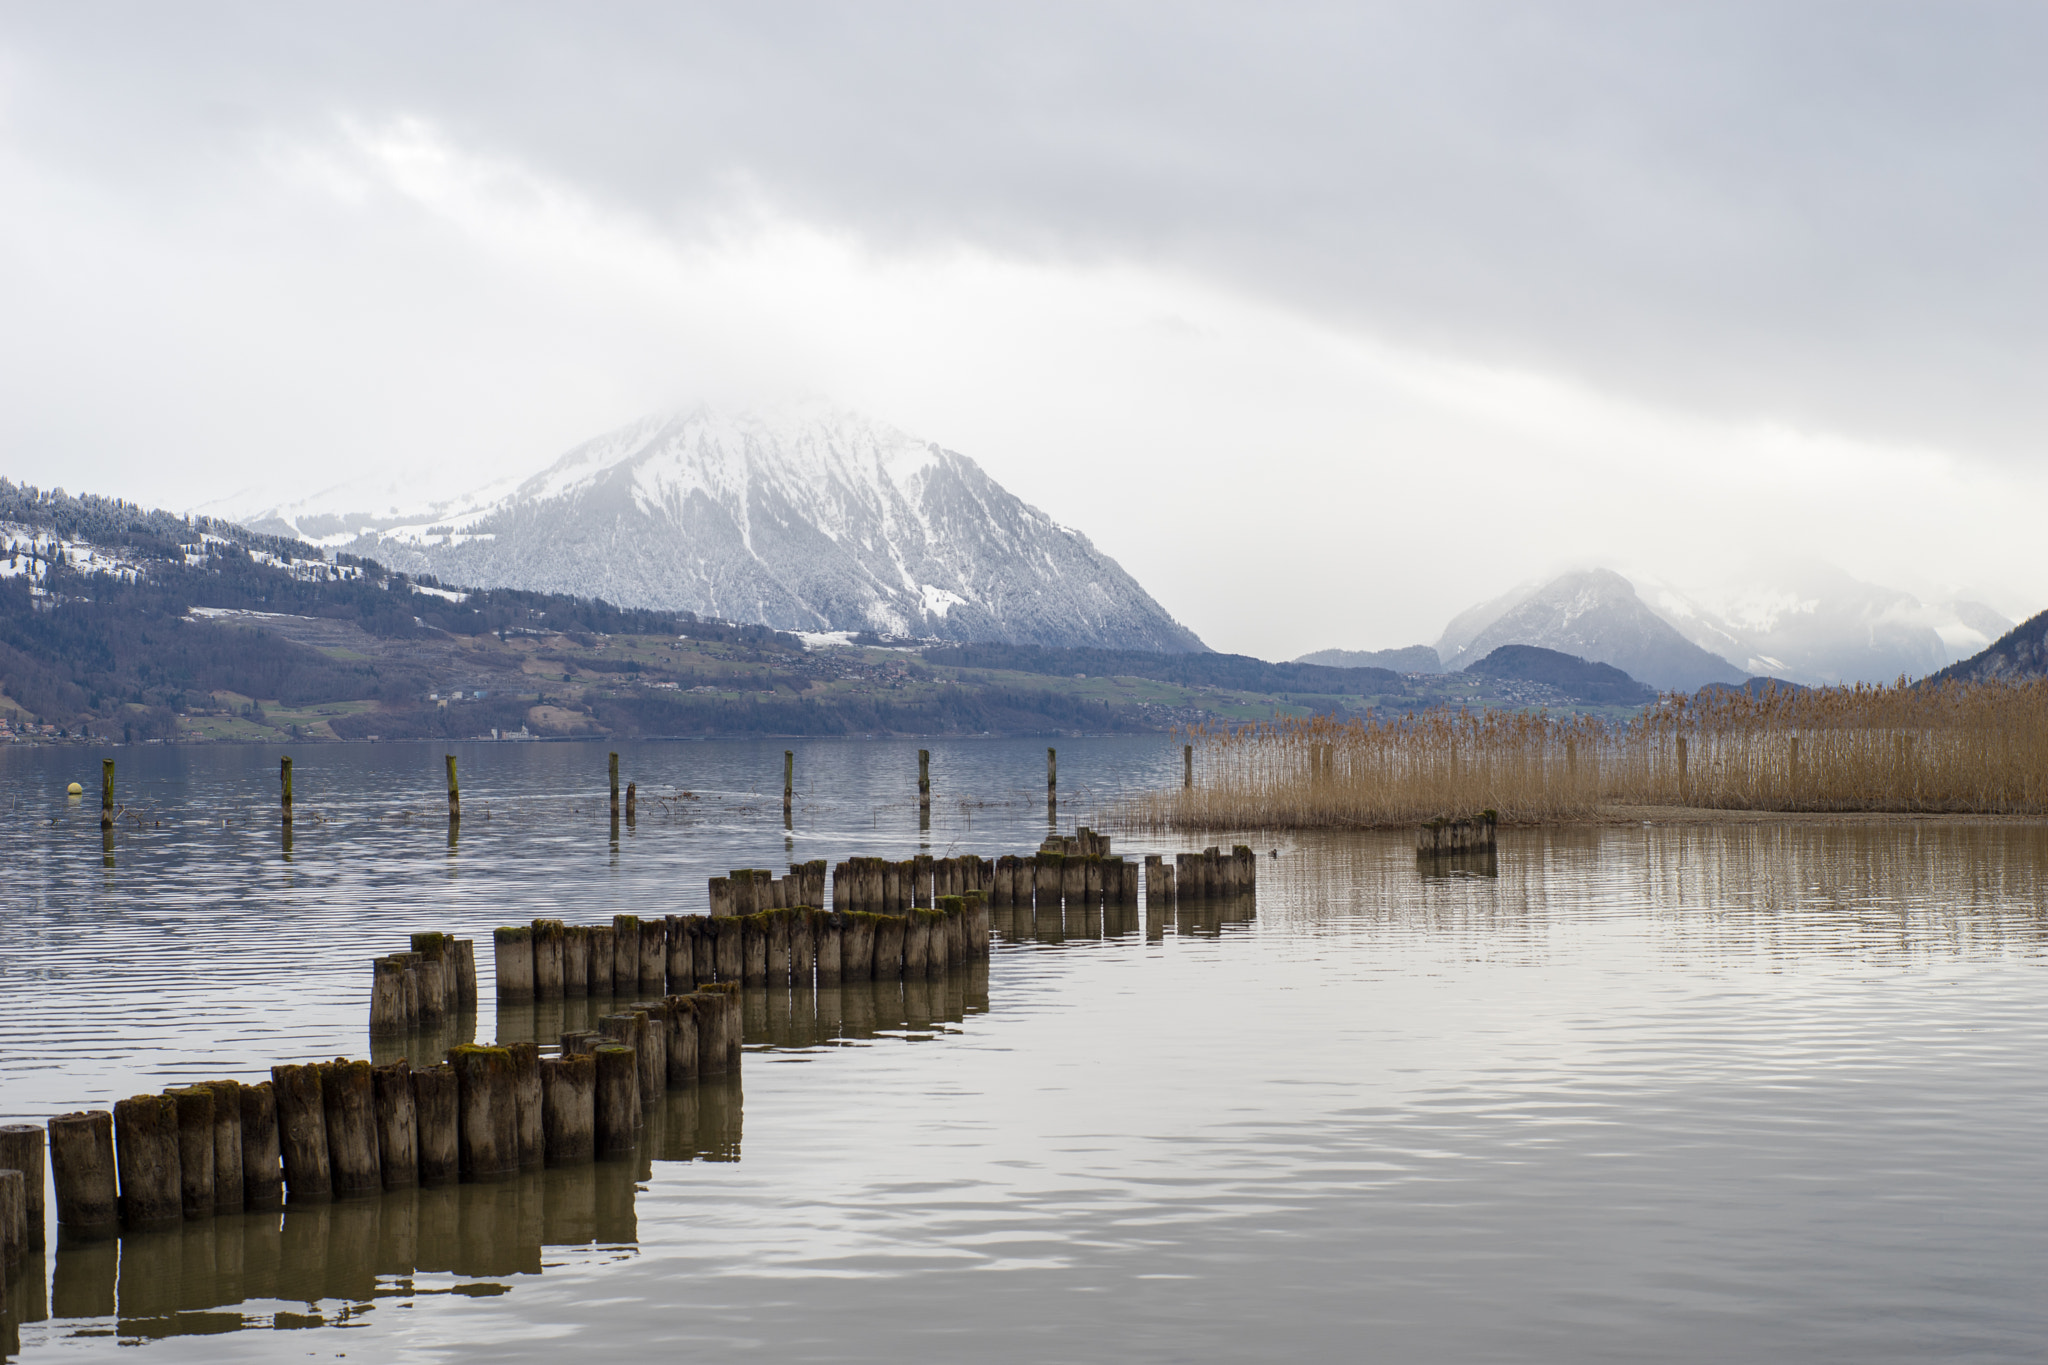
x=331, y=1262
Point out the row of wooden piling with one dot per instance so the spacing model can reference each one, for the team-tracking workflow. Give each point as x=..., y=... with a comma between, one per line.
x=424, y=987
x=346, y=1128
x=795, y=944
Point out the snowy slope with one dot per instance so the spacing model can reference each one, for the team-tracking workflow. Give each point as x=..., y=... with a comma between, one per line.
x=812, y=519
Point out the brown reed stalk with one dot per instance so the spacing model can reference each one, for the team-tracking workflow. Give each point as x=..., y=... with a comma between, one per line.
x=1957, y=748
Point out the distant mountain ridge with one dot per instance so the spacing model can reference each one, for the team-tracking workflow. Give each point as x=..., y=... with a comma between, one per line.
x=2020, y=653
x=813, y=520
x=1579, y=679
x=1411, y=659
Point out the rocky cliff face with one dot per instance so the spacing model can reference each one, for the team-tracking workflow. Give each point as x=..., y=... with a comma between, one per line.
x=815, y=520
x=2021, y=653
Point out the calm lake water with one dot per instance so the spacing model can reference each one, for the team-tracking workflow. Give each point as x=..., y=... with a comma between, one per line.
x=1662, y=1093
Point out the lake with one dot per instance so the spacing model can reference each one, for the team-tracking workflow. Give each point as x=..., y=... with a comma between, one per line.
x=1677, y=1092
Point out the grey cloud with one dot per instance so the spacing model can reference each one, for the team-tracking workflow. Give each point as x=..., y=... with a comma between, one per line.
x=1830, y=213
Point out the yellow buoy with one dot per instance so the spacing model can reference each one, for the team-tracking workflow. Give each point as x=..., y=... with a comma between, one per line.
x=74, y=790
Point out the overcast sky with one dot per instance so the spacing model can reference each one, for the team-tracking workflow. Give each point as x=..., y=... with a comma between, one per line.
x=1325, y=321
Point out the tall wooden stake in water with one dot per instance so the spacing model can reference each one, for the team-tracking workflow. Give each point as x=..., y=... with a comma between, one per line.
x=1187, y=767
x=284, y=784
x=106, y=793
x=615, y=787
x=788, y=780
x=454, y=794
x=1052, y=777
x=924, y=779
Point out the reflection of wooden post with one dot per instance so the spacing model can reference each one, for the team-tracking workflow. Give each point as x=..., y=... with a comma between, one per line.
x=1187, y=767
x=106, y=793
x=615, y=786
x=924, y=779
x=284, y=778
x=454, y=794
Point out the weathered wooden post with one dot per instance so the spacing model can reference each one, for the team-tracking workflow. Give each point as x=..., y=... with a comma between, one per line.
x=13, y=1226
x=301, y=1132
x=146, y=1154
x=436, y=1100
x=569, y=1108
x=514, y=948
x=195, y=1148
x=387, y=998
x=284, y=780
x=227, y=1145
x=465, y=973
x=82, y=1168
x=603, y=952
x=575, y=961
x=1052, y=780
x=454, y=794
x=262, y=1154
x=106, y=793
x=653, y=955
x=617, y=1100
x=398, y=1142
x=615, y=788
x=788, y=780
x=348, y=1100
x=1187, y=767
x=548, y=937
x=527, y=1102
x=1681, y=768
x=487, y=1112
x=924, y=779
x=21, y=1149
x=632, y=803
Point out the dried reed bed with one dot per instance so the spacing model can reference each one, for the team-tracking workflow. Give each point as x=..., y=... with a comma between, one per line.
x=1958, y=748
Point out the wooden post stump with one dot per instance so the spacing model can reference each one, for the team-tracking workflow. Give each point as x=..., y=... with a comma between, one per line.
x=146, y=1153
x=527, y=1097
x=575, y=961
x=82, y=1168
x=569, y=1108
x=454, y=794
x=21, y=1149
x=195, y=1149
x=13, y=1226
x=514, y=946
x=653, y=957
x=398, y=1153
x=603, y=950
x=681, y=1019
x=262, y=1149
x=465, y=973
x=387, y=998
x=437, y=1104
x=617, y=1102
x=487, y=1112
x=548, y=937
x=348, y=1099
x=301, y=1132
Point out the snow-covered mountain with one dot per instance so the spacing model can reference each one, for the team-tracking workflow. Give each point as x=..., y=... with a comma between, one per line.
x=1802, y=621
x=1594, y=614
x=814, y=519
x=1813, y=623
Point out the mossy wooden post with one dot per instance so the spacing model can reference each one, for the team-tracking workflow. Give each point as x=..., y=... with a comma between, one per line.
x=284, y=782
x=106, y=793
x=625, y=954
x=398, y=1142
x=679, y=1014
x=301, y=1132
x=436, y=1104
x=924, y=779
x=387, y=998
x=21, y=1149
x=262, y=1155
x=615, y=788
x=146, y=1154
x=603, y=951
x=487, y=1112
x=454, y=794
x=227, y=1145
x=653, y=956
x=575, y=961
x=616, y=1099
x=195, y=1148
x=650, y=1039
x=788, y=780
x=82, y=1168
x=569, y=1109
x=348, y=1099
x=514, y=948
